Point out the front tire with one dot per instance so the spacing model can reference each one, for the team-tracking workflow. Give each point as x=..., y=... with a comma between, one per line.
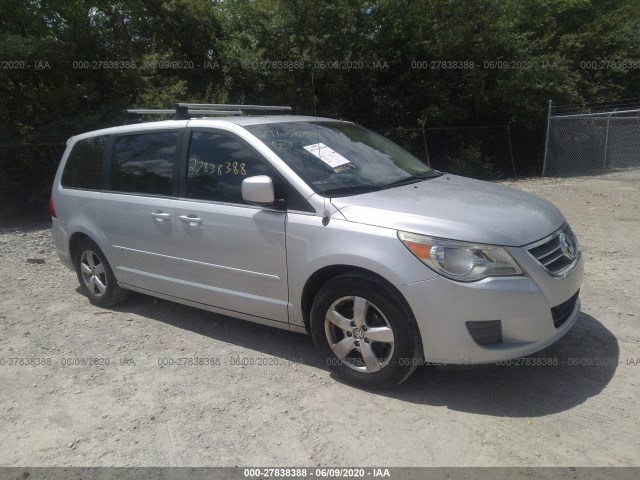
x=96, y=278
x=366, y=332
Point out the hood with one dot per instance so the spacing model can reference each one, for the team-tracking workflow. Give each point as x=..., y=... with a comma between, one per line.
x=456, y=208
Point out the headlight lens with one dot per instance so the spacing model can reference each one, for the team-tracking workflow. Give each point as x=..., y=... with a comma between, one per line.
x=461, y=261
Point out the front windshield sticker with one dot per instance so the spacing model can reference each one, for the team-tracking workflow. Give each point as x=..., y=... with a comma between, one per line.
x=326, y=154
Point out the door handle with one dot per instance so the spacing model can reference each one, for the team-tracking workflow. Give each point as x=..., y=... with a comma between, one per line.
x=161, y=216
x=191, y=220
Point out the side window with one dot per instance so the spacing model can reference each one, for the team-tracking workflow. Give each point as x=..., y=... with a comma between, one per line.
x=144, y=163
x=217, y=166
x=84, y=164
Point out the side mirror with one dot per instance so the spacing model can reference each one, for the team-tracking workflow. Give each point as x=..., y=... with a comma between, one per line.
x=258, y=190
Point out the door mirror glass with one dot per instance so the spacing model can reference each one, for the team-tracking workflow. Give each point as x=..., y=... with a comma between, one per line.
x=258, y=190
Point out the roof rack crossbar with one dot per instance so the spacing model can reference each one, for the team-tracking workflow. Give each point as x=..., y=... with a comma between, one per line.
x=150, y=111
x=184, y=111
x=215, y=112
x=153, y=111
x=235, y=106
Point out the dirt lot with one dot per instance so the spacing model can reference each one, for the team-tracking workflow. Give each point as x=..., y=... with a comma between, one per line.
x=133, y=411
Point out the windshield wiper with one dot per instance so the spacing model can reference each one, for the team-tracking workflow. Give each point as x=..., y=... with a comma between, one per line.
x=351, y=189
x=409, y=180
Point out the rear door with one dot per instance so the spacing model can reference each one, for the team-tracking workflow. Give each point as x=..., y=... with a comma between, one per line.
x=233, y=254
x=137, y=212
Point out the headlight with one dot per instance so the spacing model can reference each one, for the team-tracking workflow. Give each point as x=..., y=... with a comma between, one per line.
x=461, y=261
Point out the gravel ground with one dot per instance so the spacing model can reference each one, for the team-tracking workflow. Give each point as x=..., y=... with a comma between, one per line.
x=122, y=408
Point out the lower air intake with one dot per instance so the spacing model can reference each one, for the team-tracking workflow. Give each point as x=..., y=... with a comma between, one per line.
x=487, y=332
x=563, y=311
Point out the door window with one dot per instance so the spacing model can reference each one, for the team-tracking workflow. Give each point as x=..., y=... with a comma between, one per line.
x=217, y=165
x=144, y=163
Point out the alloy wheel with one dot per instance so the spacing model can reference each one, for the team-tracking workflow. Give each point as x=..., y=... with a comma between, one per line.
x=93, y=273
x=359, y=334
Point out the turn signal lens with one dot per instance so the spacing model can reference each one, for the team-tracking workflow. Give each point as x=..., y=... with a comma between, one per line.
x=420, y=250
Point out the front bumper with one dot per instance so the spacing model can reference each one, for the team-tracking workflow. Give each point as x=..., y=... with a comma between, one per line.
x=522, y=305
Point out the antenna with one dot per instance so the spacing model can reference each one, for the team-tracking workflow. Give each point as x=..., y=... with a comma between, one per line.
x=325, y=216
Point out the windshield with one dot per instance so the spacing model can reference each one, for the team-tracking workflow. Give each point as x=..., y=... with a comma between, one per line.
x=339, y=158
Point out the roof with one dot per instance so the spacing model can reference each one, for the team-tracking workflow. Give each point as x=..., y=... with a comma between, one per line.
x=238, y=120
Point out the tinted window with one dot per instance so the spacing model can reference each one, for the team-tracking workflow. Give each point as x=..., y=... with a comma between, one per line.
x=84, y=164
x=144, y=163
x=217, y=166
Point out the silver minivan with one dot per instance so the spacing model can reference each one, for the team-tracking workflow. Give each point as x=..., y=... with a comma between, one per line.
x=317, y=226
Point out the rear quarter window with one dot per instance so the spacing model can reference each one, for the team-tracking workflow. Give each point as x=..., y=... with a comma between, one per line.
x=84, y=164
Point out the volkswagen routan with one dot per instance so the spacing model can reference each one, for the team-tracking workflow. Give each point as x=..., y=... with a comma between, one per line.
x=318, y=226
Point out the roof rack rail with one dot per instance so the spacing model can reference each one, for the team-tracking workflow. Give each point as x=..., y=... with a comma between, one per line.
x=185, y=111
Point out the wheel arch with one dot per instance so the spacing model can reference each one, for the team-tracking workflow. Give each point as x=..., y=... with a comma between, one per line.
x=74, y=241
x=321, y=276
x=76, y=237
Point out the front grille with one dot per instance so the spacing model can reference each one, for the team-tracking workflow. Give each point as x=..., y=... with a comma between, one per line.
x=563, y=311
x=558, y=253
x=487, y=332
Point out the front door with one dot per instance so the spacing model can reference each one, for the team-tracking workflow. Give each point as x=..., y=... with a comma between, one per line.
x=233, y=254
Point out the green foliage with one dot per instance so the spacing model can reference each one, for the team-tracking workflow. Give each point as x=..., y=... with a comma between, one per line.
x=470, y=162
x=218, y=39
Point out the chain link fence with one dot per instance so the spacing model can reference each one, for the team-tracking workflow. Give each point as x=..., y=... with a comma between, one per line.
x=591, y=143
x=483, y=151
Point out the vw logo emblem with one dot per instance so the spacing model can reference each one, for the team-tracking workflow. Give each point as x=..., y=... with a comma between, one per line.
x=566, y=246
x=358, y=333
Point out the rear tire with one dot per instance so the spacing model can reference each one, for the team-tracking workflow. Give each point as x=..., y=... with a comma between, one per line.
x=96, y=278
x=366, y=332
